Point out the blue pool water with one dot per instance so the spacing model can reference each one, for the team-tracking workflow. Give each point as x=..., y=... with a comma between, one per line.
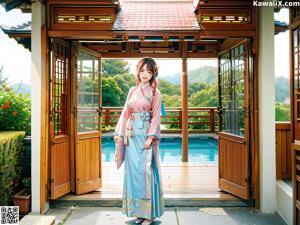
x=204, y=149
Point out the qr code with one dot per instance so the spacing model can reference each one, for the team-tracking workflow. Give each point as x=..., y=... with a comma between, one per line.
x=9, y=215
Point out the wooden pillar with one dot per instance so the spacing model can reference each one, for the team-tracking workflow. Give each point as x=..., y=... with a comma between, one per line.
x=184, y=99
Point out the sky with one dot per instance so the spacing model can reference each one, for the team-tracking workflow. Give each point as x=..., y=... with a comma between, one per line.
x=16, y=60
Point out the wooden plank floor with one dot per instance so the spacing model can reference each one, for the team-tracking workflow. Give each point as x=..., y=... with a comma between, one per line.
x=180, y=180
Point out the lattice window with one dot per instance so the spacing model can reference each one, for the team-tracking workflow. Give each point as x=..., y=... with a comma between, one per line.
x=59, y=87
x=88, y=85
x=83, y=19
x=295, y=11
x=225, y=19
x=231, y=81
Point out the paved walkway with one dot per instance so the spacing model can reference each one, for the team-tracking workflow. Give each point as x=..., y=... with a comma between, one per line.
x=172, y=216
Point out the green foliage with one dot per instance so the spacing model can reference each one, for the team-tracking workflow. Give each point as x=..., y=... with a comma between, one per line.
x=171, y=101
x=111, y=92
x=207, y=97
x=124, y=81
x=11, y=148
x=282, y=112
x=195, y=87
x=168, y=88
x=27, y=185
x=114, y=67
x=15, y=110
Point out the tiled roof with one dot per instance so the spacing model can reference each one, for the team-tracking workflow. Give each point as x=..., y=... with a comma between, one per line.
x=11, y=4
x=21, y=33
x=23, y=28
x=156, y=15
x=280, y=26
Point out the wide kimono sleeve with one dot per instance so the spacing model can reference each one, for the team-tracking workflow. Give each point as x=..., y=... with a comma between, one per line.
x=154, y=129
x=121, y=125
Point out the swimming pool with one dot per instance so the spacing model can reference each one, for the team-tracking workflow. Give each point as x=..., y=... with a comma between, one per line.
x=201, y=149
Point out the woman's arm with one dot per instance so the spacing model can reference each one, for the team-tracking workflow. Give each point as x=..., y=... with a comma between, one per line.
x=154, y=129
x=121, y=125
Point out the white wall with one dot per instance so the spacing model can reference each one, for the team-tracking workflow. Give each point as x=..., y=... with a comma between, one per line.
x=284, y=194
x=38, y=19
x=267, y=110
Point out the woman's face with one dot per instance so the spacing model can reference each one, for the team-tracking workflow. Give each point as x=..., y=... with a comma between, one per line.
x=145, y=74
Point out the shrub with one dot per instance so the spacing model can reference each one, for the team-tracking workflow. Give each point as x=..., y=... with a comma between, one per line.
x=11, y=148
x=15, y=112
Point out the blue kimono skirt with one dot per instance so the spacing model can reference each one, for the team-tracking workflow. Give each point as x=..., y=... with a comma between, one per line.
x=142, y=188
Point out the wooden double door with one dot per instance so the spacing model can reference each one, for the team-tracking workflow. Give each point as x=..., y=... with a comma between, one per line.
x=75, y=119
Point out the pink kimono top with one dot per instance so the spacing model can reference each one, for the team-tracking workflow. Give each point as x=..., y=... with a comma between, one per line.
x=141, y=99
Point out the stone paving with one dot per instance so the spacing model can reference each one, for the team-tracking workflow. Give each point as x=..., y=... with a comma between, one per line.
x=172, y=216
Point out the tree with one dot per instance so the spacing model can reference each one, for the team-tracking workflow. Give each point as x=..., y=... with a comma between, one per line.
x=171, y=100
x=194, y=87
x=113, y=67
x=15, y=110
x=168, y=88
x=124, y=81
x=207, y=97
x=282, y=112
x=111, y=92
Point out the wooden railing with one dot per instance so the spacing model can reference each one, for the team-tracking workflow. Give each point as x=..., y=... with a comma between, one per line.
x=283, y=150
x=201, y=119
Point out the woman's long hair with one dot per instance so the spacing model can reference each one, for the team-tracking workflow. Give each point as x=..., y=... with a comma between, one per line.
x=151, y=66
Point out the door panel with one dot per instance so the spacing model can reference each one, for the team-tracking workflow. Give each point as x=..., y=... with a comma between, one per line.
x=234, y=151
x=88, y=121
x=295, y=117
x=59, y=119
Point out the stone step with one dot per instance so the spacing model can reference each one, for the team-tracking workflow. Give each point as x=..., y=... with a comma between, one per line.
x=169, y=202
x=37, y=219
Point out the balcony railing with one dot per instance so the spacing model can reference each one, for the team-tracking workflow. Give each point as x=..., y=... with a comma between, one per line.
x=283, y=150
x=200, y=119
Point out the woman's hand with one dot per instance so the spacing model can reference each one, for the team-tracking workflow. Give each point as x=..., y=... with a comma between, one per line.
x=116, y=138
x=116, y=157
x=148, y=143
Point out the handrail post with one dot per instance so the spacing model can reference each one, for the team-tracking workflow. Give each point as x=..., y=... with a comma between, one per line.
x=212, y=120
x=107, y=117
x=180, y=118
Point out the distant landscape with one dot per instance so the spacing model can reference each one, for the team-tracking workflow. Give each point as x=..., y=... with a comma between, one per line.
x=202, y=89
x=208, y=76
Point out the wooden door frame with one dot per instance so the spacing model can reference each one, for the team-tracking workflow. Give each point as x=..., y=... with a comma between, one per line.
x=45, y=144
x=253, y=114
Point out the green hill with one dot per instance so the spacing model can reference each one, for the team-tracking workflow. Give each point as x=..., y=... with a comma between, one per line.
x=282, y=89
x=204, y=74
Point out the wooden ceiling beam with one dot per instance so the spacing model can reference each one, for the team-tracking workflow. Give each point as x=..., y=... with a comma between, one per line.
x=175, y=55
x=106, y=47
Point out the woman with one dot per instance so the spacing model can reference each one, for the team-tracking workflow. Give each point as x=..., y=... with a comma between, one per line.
x=139, y=126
